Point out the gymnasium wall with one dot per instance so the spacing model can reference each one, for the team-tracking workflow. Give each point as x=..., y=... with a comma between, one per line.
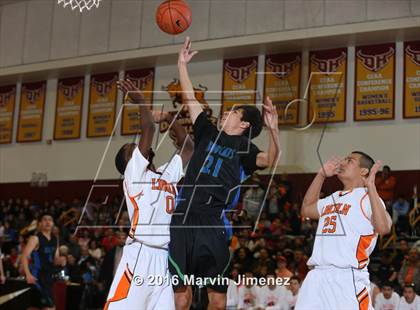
x=36, y=31
x=396, y=142
x=38, y=35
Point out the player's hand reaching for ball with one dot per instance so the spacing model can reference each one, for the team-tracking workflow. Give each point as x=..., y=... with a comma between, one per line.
x=130, y=90
x=160, y=116
x=330, y=167
x=271, y=118
x=185, y=55
x=370, y=179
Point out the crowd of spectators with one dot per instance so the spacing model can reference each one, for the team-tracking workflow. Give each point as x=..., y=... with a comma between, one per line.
x=269, y=239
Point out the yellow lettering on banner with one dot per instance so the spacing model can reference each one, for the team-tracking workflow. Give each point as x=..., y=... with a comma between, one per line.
x=31, y=112
x=68, y=112
x=102, y=101
x=7, y=107
x=411, y=80
x=374, y=82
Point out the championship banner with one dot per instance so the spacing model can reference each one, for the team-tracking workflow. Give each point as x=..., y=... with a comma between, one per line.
x=239, y=82
x=31, y=112
x=7, y=108
x=411, y=79
x=68, y=109
x=375, y=82
x=102, y=101
x=281, y=84
x=144, y=80
x=182, y=114
x=327, y=92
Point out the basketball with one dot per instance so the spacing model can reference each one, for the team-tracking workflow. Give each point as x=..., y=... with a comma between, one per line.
x=173, y=16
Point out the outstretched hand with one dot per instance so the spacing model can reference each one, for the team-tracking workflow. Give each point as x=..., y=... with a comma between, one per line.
x=185, y=55
x=130, y=90
x=271, y=118
x=330, y=167
x=370, y=179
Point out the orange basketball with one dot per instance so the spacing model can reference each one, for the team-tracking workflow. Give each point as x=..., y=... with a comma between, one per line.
x=173, y=16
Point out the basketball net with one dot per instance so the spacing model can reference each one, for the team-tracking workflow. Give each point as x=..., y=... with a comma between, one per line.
x=81, y=4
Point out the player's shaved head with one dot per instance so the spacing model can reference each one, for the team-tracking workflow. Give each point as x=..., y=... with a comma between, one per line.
x=123, y=156
x=365, y=160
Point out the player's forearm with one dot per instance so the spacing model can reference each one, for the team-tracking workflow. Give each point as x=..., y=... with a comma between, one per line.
x=312, y=195
x=25, y=265
x=194, y=107
x=274, y=151
x=381, y=220
x=146, y=120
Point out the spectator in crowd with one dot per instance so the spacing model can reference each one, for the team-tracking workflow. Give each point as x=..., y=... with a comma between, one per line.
x=110, y=263
x=385, y=185
x=74, y=247
x=272, y=201
x=299, y=266
x=294, y=288
x=410, y=270
x=253, y=198
x=387, y=299
x=232, y=292
x=94, y=250
x=386, y=271
x=410, y=300
x=247, y=293
x=401, y=208
x=282, y=271
x=401, y=254
x=272, y=296
x=2, y=275
x=242, y=258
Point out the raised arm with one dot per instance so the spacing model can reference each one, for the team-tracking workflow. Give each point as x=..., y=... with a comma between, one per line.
x=30, y=246
x=185, y=55
x=184, y=141
x=134, y=95
x=310, y=201
x=273, y=153
x=380, y=219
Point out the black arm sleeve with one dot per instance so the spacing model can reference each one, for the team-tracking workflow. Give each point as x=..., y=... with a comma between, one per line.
x=202, y=127
x=249, y=158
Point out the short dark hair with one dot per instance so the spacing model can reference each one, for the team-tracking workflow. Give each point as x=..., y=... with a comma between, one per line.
x=387, y=283
x=365, y=160
x=251, y=115
x=295, y=278
x=121, y=159
x=45, y=213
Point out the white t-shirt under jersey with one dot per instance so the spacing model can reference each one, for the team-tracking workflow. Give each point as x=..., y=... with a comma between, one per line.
x=381, y=303
x=247, y=297
x=345, y=235
x=150, y=198
x=415, y=305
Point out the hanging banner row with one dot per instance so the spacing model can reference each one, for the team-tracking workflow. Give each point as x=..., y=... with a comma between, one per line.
x=374, y=92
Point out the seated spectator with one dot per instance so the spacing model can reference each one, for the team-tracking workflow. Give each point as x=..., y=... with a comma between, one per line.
x=386, y=270
x=410, y=270
x=401, y=208
x=74, y=247
x=272, y=201
x=109, y=240
x=387, y=299
x=247, y=293
x=410, y=300
x=282, y=271
x=94, y=251
x=272, y=296
x=242, y=258
x=401, y=254
x=294, y=288
x=298, y=265
x=385, y=185
x=253, y=198
x=232, y=296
